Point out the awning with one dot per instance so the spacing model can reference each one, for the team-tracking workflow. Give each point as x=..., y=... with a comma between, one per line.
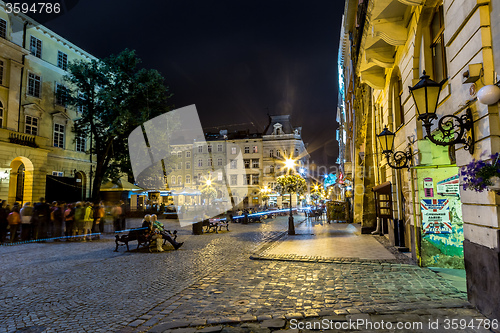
x=120, y=186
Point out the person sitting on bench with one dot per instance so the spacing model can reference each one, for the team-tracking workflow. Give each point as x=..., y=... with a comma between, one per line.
x=157, y=225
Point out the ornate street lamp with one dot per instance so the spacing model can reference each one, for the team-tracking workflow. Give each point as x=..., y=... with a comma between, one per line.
x=402, y=159
x=451, y=128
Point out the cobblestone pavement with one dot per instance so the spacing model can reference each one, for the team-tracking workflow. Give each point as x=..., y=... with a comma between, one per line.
x=208, y=284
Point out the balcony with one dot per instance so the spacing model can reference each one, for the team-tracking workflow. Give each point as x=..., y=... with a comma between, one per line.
x=23, y=139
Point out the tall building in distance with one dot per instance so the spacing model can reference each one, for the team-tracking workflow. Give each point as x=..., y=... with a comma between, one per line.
x=247, y=178
x=39, y=154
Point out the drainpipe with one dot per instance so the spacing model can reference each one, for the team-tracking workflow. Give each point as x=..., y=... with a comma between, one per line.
x=417, y=248
x=22, y=76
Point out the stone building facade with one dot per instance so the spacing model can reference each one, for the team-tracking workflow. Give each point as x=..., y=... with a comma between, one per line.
x=385, y=47
x=39, y=155
x=242, y=162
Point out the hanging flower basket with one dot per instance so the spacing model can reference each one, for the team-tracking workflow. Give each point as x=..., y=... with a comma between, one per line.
x=482, y=175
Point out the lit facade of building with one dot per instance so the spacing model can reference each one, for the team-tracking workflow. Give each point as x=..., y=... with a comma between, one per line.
x=39, y=154
x=385, y=47
x=241, y=161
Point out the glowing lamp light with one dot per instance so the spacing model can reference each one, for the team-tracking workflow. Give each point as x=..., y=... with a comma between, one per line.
x=209, y=182
x=489, y=94
x=289, y=163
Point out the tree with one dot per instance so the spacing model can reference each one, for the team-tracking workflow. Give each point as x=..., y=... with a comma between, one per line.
x=290, y=184
x=113, y=96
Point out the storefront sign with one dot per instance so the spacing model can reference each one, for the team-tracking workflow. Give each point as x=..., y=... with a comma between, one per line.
x=449, y=186
x=435, y=216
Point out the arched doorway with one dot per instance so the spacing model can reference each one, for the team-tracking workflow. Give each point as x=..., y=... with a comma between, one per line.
x=21, y=180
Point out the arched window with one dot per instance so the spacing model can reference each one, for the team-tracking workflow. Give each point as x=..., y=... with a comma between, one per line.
x=172, y=180
x=179, y=180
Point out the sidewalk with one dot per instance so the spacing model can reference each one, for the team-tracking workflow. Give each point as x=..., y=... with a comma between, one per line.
x=318, y=239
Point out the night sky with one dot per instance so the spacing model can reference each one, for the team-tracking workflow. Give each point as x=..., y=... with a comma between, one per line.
x=236, y=60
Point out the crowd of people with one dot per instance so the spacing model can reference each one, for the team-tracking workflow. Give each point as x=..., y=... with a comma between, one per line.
x=59, y=220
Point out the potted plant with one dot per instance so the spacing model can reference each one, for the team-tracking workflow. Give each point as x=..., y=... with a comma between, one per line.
x=481, y=175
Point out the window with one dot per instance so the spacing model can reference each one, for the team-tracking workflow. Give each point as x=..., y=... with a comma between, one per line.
x=179, y=180
x=179, y=165
x=271, y=169
x=254, y=149
x=200, y=149
x=234, y=164
x=3, y=28
x=188, y=165
x=61, y=94
x=438, y=46
x=219, y=162
x=81, y=107
x=172, y=180
x=1, y=115
x=188, y=179
x=233, y=150
x=247, y=164
x=271, y=153
x=210, y=162
x=59, y=135
x=179, y=154
x=31, y=125
x=397, y=91
x=36, y=47
x=247, y=150
x=296, y=152
x=247, y=179
x=278, y=153
x=255, y=164
x=1, y=71
x=34, y=85
x=209, y=148
x=80, y=143
x=234, y=180
x=62, y=60
x=200, y=178
x=219, y=148
x=255, y=179
x=188, y=154
x=200, y=162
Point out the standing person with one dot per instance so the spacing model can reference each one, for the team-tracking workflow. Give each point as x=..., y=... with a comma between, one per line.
x=56, y=217
x=123, y=223
x=41, y=216
x=79, y=220
x=69, y=220
x=88, y=219
x=14, y=220
x=116, y=212
x=3, y=221
x=26, y=222
x=99, y=214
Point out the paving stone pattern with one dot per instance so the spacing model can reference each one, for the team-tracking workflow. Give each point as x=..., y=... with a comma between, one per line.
x=209, y=285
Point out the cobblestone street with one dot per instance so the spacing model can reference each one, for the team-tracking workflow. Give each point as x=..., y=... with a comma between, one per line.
x=86, y=287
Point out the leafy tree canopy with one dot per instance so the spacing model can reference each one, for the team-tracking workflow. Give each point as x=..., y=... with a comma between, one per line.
x=290, y=184
x=113, y=96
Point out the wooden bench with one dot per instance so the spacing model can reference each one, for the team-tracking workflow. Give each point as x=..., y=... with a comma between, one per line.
x=215, y=225
x=139, y=234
